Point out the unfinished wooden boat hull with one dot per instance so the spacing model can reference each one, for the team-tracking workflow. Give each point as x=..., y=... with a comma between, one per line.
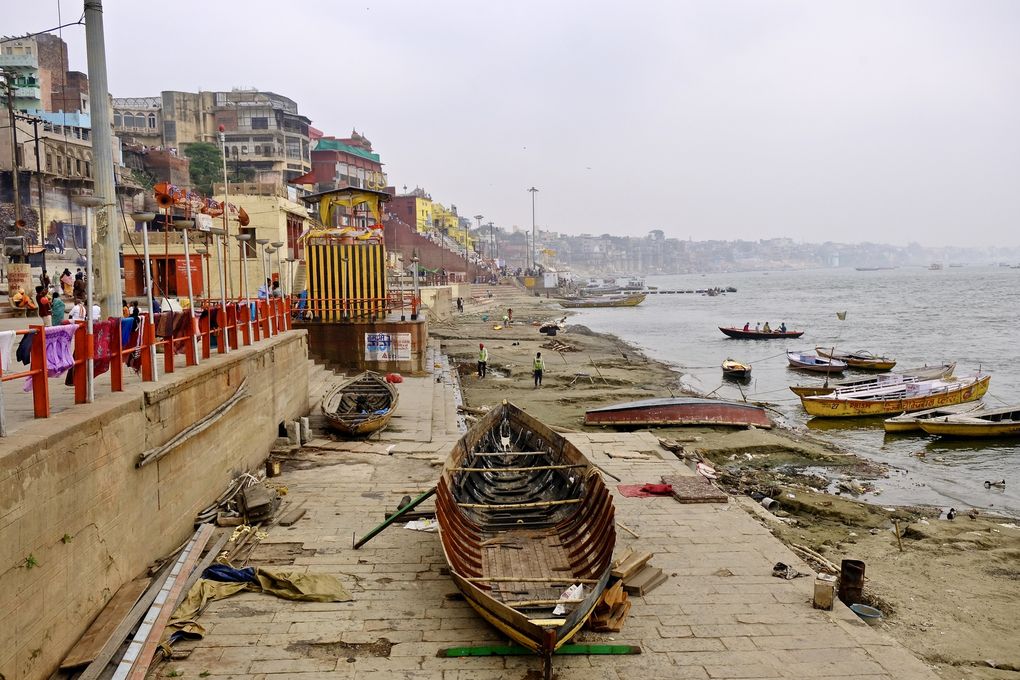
x=911, y=422
x=360, y=405
x=735, y=369
x=924, y=373
x=520, y=520
x=741, y=334
x=609, y=301
x=834, y=407
x=679, y=411
x=997, y=422
x=813, y=364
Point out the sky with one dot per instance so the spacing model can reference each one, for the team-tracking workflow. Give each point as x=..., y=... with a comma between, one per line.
x=889, y=121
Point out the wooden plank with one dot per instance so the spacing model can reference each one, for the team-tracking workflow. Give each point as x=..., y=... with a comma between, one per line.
x=529, y=579
x=633, y=564
x=293, y=516
x=533, y=468
x=514, y=506
x=210, y=555
x=644, y=582
x=102, y=629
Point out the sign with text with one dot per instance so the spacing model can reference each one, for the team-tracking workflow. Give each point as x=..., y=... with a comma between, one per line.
x=387, y=346
x=203, y=222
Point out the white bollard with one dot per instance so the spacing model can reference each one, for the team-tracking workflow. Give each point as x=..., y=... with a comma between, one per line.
x=306, y=430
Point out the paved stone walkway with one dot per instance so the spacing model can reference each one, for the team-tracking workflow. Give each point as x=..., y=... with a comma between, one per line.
x=721, y=614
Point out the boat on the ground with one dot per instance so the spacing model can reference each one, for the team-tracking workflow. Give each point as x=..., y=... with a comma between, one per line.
x=630, y=300
x=360, y=405
x=906, y=375
x=911, y=422
x=996, y=422
x=861, y=359
x=527, y=527
x=679, y=411
x=898, y=398
x=741, y=334
x=812, y=362
x=735, y=369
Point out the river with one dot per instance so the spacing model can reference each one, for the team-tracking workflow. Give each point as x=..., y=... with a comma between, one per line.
x=918, y=316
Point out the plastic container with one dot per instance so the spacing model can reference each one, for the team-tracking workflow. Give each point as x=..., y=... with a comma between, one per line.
x=869, y=615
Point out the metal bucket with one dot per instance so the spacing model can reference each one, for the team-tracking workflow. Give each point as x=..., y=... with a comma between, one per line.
x=851, y=581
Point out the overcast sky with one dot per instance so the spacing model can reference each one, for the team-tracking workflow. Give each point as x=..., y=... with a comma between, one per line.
x=885, y=120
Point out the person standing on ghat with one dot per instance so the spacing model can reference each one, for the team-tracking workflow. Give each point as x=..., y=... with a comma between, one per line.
x=539, y=367
x=483, y=359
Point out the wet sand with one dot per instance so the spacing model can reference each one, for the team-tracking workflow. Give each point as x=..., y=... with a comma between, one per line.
x=950, y=596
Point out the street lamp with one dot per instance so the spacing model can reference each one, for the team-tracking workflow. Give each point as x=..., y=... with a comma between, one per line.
x=278, y=245
x=143, y=218
x=242, y=240
x=265, y=275
x=216, y=233
x=414, y=305
x=479, y=218
x=90, y=203
x=533, y=191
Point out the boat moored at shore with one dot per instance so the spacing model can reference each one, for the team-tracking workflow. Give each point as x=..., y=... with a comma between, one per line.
x=988, y=423
x=679, y=411
x=630, y=300
x=861, y=359
x=899, y=398
x=802, y=361
x=906, y=375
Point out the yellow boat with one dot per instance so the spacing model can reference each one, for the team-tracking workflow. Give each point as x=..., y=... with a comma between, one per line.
x=911, y=422
x=896, y=399
x=999, y=422
x=630, y=300
x=861, y=359
x=908, y=375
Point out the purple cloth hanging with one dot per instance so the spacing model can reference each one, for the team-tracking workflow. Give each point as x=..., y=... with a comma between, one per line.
x=58, y=352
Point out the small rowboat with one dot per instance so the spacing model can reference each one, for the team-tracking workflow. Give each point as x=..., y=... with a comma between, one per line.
x=911, y=422
x=361, y=405
x=892, y=399
x=679, y=411
x=735, y=369
x=523, y=518
x=741, y=334
x=861, y=359
x=604, y=301
x=996, y=422
x=907, y=375
x=813, y=363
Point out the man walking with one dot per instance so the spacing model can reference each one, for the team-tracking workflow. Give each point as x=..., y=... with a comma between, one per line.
x=538, y=367
x=483, y=359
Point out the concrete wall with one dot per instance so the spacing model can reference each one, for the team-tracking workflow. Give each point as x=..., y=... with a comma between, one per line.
x=341, y=346
x=77, y=519
x=439, y=300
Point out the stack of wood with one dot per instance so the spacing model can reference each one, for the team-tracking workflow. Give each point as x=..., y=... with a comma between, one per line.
x=611, y=609
x=559, y=346
x=637, y=575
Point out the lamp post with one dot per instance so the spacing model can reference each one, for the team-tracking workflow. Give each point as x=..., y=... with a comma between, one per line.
x=143, y=218
x=243, y=239
x=414, y=307
x=278, y=246
x=479, y=218
x=217, y=232
x=533, y=191
x=185, y=225
x=90, y=203
x=226, y=197
x=265, y=275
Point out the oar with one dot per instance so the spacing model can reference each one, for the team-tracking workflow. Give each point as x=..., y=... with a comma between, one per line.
x=394, y=517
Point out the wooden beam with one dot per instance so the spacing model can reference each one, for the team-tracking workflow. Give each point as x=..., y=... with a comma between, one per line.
x=491, y=454
x=534, y=468
x=529, y=579
x=515, y=506
x=538, y=603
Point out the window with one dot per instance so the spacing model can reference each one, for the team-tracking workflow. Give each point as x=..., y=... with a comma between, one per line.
x=49, y=162
x=259, y=123
x=244, y=149
x=258, y=150
x=152, y=121
x=118, y=121
x=60, y=165
x=88, y=169
x=77, y=166
x=84, y=133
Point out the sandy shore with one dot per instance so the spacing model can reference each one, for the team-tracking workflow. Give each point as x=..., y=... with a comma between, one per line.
x=951, y=594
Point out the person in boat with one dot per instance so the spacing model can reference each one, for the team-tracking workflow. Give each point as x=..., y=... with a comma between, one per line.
x=483, y=359
x=766, y=328
x=747, y=326
x=757, y=327
x=782, y=327
x=539, y=368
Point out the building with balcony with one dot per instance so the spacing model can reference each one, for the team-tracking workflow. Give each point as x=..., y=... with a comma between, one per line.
x=38, y=67
x=139, y=120
x=338, y=163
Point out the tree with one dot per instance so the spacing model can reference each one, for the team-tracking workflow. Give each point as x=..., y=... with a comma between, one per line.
x=206, y=166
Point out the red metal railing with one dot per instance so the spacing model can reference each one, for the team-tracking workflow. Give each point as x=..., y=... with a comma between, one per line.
x=194, y=340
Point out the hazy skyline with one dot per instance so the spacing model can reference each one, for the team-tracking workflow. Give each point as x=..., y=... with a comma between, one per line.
x=845, y=121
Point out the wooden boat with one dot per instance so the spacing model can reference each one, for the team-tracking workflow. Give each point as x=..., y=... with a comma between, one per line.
x=523, y=516
x=604, y=301
x=911, y=422
x=741, y=334
x=814, y=363
x=861, y=359
x=906, y=375
x=361, y=405
x=683, y=411
x=735, y=369
x=996, y=422
x=898, y=398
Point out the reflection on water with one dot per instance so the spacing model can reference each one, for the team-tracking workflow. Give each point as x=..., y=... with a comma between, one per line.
x=920, y=317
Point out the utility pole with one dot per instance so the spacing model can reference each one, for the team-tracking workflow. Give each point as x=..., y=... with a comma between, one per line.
x=39, y=181
x=14, y=149
x=107, y=233
x=466, y=232
x=533, y=191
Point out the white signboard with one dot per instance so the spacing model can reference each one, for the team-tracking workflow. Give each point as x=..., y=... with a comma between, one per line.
x=550, y=280
x=387, y=346
x=203, y=222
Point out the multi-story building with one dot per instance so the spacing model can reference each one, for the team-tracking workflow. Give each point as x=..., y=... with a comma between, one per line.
x=266, y=139
x=338, y=163
x=413, y=208
x=38, y=67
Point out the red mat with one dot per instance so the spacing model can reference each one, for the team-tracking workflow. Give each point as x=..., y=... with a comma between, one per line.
x=635, y=491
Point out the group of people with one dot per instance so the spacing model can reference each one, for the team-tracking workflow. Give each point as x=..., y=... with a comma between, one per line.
x=537, y=365
x=49, y=304
x=758, y=328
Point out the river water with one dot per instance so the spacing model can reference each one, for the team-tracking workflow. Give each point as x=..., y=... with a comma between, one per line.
x=968, y=315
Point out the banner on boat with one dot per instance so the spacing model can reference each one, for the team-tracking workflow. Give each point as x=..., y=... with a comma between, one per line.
x=387, y=346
